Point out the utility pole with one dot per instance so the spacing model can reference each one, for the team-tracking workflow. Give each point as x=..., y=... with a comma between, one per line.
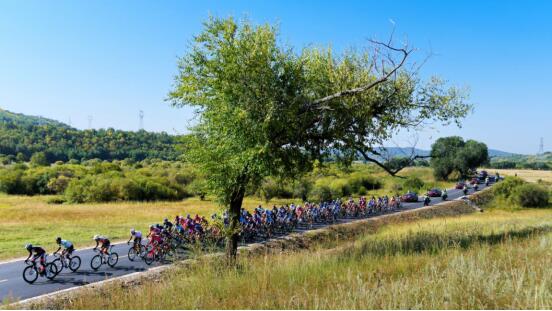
x=541, y=146
x=141, y=116
x=90, y=122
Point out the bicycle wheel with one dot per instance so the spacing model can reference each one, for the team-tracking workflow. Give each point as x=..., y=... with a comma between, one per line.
x=58, y=264
x=148, y=258
x=51, y=271
x=143, y=251
x=96, y=262
x=30, y=274
x=74, y=263
x=132, y=254
x=112, y=259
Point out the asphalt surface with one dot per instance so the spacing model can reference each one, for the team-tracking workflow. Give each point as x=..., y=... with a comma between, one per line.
x=13, y=287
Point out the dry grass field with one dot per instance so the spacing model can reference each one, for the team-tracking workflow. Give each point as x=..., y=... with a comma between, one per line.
x=493, y=260
x=26, y=219
x=528, y=175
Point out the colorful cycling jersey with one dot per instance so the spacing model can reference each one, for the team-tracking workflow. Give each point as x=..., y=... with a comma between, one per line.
x=137, y=234
x=66, y=244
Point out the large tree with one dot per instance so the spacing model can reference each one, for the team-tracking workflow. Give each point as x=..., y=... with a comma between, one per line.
x=265, y=110
x=452, y=154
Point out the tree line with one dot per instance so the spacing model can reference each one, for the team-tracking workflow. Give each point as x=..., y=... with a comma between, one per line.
x=23, y=136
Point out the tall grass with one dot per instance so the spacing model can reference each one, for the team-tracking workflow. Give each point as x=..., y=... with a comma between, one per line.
x=493, y=260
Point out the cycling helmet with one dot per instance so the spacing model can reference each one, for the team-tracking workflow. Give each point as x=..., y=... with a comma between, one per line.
x=96, y=237
x=28, y=246
x=165, y=220
x=132, y=231
x=58, y=240
x=151, y=227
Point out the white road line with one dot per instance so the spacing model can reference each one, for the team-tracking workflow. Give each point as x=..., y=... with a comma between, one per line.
x=123, y=256
x=2, y=281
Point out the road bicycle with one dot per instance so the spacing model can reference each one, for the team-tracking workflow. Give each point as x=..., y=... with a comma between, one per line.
x=137, y=250
x=31, y=273
x=64, y=261
x=111, y=259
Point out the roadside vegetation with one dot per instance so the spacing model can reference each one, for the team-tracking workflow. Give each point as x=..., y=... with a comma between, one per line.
x=493, y=260
x=35, y=219
x=156, y=180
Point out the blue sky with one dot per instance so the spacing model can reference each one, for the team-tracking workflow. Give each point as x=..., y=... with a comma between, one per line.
x=109, y=59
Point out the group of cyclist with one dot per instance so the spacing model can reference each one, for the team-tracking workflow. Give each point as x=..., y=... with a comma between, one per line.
x=260, y=223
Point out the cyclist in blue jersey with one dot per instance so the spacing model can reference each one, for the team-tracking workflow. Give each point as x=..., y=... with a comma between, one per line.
x=67, y=246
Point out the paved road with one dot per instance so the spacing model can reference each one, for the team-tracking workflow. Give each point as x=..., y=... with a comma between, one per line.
x=13, y=286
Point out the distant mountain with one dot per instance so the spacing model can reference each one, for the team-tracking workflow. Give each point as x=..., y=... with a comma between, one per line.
x=22, y=136
x=406, y=152
x=502, y=154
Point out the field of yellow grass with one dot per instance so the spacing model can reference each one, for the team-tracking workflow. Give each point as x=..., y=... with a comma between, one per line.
x=528, y=175
x=26, y=219
x=493, y=260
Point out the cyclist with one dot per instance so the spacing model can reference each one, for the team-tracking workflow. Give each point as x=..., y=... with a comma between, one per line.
x=105, y=243
x=427, y=200
x=67, y=245
x=38, y=252
x=444, y=196
x=137, y=236
x=167, y=225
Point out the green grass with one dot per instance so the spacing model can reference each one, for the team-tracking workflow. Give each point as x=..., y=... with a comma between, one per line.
x=493, y=260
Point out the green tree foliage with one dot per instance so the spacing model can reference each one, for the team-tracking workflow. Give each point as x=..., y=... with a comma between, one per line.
x=266, y=110
x=452, y=154
x=23, y=136
x=39, y=159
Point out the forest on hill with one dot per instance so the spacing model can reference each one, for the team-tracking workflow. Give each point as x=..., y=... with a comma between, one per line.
x=22, y=136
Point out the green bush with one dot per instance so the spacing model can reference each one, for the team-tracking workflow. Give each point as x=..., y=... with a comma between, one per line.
x=507, y=187
x=302, y=188
x=39, y=159
x=358, y=180
x=10, y=182
x=340, y=187
x=269, y=190
x=413, y=184
x=321, y=193
x=531, y=195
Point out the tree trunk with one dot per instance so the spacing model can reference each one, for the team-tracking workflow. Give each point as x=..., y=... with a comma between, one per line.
x=234, y=218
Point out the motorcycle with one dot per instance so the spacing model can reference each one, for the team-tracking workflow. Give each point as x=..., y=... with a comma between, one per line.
x=444, y=197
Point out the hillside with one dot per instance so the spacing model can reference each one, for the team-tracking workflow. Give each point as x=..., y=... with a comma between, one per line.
x=22, y=136
x=404, y=152
x=26, y=120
